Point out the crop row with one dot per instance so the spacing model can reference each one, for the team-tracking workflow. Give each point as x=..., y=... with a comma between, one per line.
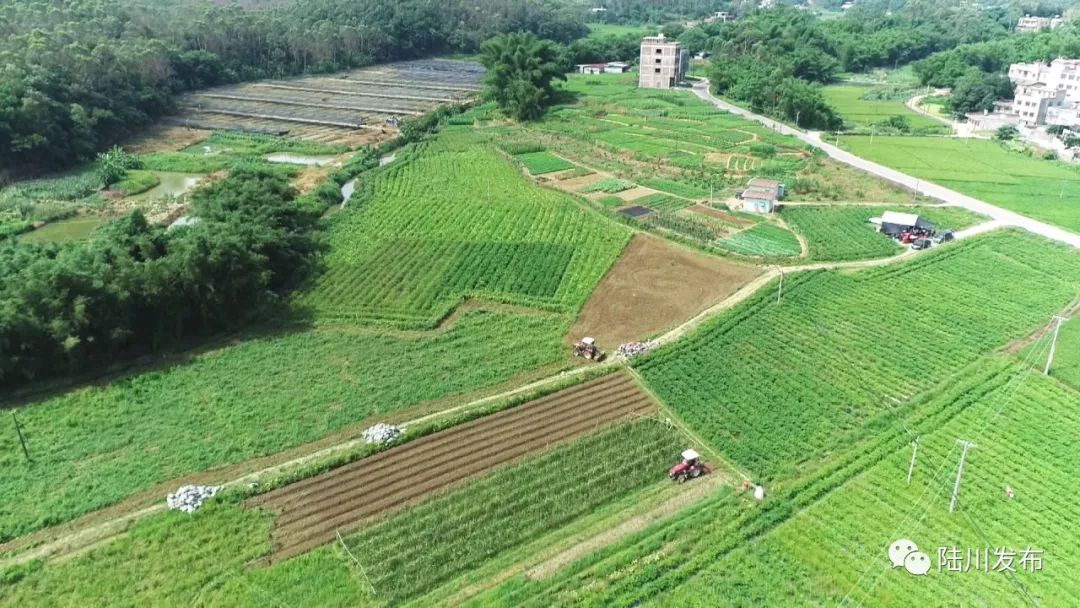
x=461, y=530
x=772, y=385
x=311, y=513
x=542, y=162
x=824, y=536
x=845, y=233
x=763, y=240
x=238, y=402
x=460, y=221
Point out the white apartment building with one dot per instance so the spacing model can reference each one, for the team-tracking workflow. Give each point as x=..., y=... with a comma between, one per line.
x=663, y=63
x=1044, y=91
x=1060, y=73
x=1028, y=24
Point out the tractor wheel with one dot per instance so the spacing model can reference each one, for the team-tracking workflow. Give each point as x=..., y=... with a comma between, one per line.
x=695, y=473
x=682, y=478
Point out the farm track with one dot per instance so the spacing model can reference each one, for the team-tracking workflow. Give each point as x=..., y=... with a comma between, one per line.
x=917, y=185
x=66, y=542
x=312, y=511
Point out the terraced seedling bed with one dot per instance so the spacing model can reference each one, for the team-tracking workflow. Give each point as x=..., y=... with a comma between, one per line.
x=311, y=512
x=334, y=108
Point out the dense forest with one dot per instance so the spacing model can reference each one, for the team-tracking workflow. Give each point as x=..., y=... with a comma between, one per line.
x=949, y=68
x=137, y=287
x=773, y=60
x=77, y=75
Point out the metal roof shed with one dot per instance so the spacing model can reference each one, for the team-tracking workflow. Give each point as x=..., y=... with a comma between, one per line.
x=893, y=222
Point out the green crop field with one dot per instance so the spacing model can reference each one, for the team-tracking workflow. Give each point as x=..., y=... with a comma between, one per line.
x=539, y=163
x=95, y=446
x=459, y=531
x=676, y=188
x=774, y=385
x=610, y=185
x=1066, y=365
x=457, y=221
x=174, y=555
x=845, y=233
x=611, y=29
x=1005, y=417
x=662, y=202
x=763, y=240
x=1041, y=189
x=676, y=143
x=861, y=113
x=824, y=539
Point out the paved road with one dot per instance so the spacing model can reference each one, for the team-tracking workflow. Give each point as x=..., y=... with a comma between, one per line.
x=913, y=104
x=1004, y=217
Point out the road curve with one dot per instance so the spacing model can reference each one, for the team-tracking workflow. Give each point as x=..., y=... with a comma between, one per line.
x=1004, y=217
x=915, y=105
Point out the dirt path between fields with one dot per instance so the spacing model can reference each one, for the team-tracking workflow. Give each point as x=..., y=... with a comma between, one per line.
x=71, y=542
x=1019, y=345
x=691, y=493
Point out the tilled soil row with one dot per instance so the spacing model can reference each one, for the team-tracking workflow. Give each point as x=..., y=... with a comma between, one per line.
x=385, y=473
x=281, y=498
x=335, y=501
x=542, y=432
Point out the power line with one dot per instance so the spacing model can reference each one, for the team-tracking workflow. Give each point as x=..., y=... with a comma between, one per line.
x=967, y=445
x=922, y=504
x=1053, y=345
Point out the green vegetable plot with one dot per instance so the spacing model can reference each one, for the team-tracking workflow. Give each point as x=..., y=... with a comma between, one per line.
x=539, y=163
x=459, y=531
x=774, y=385
x=845, y=233
x=460, y=221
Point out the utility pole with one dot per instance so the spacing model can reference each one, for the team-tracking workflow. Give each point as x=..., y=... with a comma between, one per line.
x=1053, y=345
x=915, y=195
x=872, y=131
x=959, y=472
x=22, y=440
x=780, y=289
x=797, y=114
x=914, y=451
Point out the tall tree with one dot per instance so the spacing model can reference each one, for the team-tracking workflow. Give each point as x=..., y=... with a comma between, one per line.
x=521, y=68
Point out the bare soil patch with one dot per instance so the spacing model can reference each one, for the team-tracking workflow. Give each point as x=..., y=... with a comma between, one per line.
x=576, y=183
x=310, y=513
x=165, y=138
x=654, y=286
x=310, y=178
x=635, y=193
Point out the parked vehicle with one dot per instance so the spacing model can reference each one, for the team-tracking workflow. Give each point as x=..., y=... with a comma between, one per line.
x=921, y=244
x=944, y=236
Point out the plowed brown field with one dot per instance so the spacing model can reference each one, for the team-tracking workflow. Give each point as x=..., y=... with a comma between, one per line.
x=312, y=511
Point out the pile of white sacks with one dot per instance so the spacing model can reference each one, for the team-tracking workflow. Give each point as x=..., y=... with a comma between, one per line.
x=382, y=433
x=190, y=498
x=633, y=349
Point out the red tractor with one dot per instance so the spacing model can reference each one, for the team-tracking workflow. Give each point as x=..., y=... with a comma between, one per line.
x=691, y=467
